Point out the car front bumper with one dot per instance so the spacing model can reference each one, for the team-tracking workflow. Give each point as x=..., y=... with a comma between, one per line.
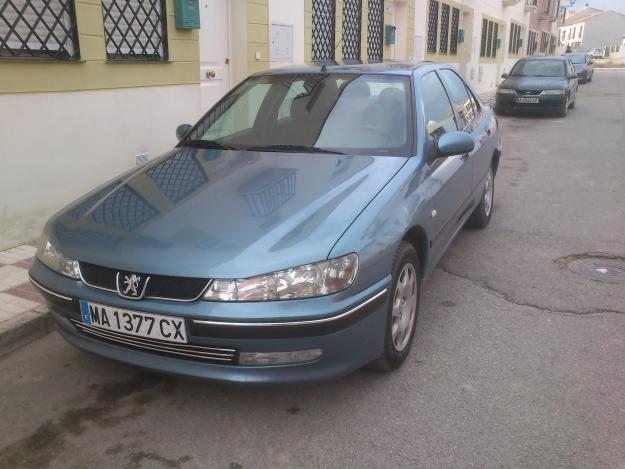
x=549, y=102
x=349, y=331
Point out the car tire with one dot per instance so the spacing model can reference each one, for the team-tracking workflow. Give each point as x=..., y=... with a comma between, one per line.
x=403, y=305
x=572, y=105
x=480, y=218
x=563, y=109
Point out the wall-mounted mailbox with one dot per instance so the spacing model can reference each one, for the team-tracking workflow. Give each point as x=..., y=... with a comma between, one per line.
x=499, y=43
x=389, y=34
x=461, y=36
x=187, y=14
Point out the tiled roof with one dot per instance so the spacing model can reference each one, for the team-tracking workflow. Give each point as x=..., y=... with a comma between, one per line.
x=582, y=16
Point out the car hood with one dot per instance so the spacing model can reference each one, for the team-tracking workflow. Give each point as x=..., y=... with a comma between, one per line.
x=221, y=213
x=534, y=83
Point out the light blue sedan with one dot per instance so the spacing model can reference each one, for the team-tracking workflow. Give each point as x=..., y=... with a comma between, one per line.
x=287, y=236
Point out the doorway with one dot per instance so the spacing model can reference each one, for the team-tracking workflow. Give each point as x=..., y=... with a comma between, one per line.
x=214, y=51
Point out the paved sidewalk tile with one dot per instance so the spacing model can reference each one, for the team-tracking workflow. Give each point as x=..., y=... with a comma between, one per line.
x=17, y=295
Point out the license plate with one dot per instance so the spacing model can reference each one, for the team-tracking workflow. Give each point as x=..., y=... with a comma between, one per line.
x=153, y=326
x=526, y=100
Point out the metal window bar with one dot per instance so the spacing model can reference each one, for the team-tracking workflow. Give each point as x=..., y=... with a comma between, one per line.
x=484, y=34
x=375, y=28
x=453, y=37
x=42, y=29
x=352, y=25
x=135, y=29
x=511, y=38
x=432, y=26
x=444, y=35
x=495, y=39
x=489, y=39
x=323, y=31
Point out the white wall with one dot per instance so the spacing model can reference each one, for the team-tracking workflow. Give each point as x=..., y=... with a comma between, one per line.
x=56, y=146
x=289, y=12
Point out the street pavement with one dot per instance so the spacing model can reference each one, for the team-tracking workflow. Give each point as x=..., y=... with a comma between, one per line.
x=518, y=361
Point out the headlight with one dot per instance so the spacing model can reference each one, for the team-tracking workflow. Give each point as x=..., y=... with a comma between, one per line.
x=321, y=278
x=50, y=256
x=505, y=91
x=554, y=92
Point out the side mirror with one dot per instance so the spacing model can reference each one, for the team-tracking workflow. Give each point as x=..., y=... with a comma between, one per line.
x=454, y=143
x=504, y=75
x=182, y=130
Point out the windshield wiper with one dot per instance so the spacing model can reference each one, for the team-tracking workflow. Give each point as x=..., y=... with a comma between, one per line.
x=206, y=144
x=292, y=148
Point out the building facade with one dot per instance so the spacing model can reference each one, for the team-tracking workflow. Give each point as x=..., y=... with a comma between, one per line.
x=590, y=29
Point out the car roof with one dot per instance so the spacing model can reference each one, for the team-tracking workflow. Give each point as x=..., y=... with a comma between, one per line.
x=544, y=57
x=384, y=68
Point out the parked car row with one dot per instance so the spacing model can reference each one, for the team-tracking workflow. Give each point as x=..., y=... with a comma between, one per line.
x=288, y=235
x=543, y=83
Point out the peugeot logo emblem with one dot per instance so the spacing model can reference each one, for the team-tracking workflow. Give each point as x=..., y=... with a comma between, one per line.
x=130, y=285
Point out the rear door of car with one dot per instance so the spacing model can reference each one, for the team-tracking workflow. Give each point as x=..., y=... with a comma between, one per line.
x=472, y=120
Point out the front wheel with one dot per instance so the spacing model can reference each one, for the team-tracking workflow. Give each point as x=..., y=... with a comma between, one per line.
x=563, y=108
x=403, y=309
x=480, y=218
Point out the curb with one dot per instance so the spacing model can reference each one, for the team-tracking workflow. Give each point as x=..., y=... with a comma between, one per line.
x=23, y=329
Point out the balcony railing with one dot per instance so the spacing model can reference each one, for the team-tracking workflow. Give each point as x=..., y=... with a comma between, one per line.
x=530, y=5
x=547, y=10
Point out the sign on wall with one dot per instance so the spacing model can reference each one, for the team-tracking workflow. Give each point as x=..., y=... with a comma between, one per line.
x=281, y=42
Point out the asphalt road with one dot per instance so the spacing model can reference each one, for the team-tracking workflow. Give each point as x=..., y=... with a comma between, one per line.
x=518, y=361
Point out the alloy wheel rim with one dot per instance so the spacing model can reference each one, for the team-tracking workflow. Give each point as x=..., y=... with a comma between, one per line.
x=488, y=193
x=404, y=307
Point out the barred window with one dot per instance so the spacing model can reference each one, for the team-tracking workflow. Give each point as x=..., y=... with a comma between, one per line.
x=490, y=35
x=544, y=42
x=375, y=27
x=515, y=39
x=453, y=38
x=432, y=26
x=135, y=29
x=323, y=25
x=444, y=37
x=531, y=42
x=352, y=23
x=38, y=29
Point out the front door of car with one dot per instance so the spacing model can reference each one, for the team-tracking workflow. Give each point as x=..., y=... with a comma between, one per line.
x=448, y=179
x=472, y=120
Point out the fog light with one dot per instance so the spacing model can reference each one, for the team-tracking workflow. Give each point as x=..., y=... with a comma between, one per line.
x=279, y=358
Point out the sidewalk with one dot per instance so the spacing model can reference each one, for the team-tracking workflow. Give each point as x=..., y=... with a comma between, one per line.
x=23, y=316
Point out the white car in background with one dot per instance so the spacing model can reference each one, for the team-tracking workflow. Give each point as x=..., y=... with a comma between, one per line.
x=597, y=53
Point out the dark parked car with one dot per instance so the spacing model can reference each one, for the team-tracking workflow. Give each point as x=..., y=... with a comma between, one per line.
x=545, y=83
x=287, y=236
x=582, y=63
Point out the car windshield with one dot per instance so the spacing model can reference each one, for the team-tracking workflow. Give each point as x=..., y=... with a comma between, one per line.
x=577, y=58
x=539, y=68
x=342, y=113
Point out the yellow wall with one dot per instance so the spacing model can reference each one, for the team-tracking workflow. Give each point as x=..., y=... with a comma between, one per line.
x=257, y=35
x=93, y=71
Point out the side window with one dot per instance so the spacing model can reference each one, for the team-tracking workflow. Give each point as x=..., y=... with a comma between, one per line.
x=570, y=70
x=439, y=116
x=296, y=89
x=459, y=96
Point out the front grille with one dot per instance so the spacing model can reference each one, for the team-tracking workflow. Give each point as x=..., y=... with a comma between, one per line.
x=222, y=355
x=160, y=286
x=528, y=92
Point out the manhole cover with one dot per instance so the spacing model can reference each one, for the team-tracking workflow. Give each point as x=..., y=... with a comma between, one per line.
x=602, y=268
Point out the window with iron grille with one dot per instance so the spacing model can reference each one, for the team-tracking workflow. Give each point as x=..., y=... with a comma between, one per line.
x=323, y=25
x=484, y=34
x=352, y=23
x=375, y=28
x=531, y=42
x=453, y=38
x=135, y=29
x=552, y=44
x=515, y=39
x=42, y=29
x=444, y=36
x=432, y=26
x=490, y=35
x=544, y=42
